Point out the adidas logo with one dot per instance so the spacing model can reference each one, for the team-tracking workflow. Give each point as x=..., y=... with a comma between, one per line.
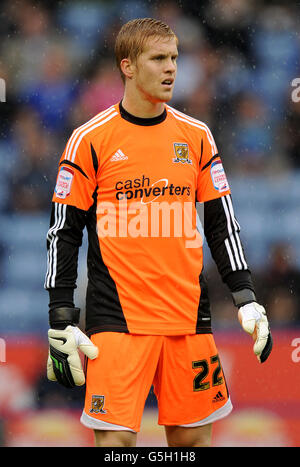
x=218, y=397
x=119, y=156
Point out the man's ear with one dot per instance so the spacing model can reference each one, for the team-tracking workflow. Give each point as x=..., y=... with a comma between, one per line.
x=127, y=67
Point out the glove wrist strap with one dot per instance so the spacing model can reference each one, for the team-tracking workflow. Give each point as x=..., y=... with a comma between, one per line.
x=242, y=297
x=59, y=318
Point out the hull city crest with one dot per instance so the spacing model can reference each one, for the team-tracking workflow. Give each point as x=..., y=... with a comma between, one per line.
x=97, y=404
x=182, y=153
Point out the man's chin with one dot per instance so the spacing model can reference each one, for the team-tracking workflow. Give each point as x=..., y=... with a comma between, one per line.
x=165, y=97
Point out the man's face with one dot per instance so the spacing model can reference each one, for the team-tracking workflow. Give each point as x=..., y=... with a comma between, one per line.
x=155, y=69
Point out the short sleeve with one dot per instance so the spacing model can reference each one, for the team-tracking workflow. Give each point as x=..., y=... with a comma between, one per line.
x=76, y=178
x=212, y=181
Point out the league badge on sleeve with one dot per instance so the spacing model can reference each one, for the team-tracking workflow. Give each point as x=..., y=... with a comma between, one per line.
x=218, y=176
x=64, y=182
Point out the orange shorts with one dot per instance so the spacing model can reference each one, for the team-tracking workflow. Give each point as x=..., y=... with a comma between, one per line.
x=185, y=371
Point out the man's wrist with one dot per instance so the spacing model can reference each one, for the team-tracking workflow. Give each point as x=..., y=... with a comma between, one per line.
x=61, y=317
x=243, y=297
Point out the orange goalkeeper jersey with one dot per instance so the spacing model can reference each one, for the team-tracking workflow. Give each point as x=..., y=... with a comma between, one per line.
x=135, y=183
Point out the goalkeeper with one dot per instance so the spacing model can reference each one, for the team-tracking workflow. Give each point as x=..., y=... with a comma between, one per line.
x=148, y=319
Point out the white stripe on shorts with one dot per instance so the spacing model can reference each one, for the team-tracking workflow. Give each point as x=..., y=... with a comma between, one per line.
x=95, y=424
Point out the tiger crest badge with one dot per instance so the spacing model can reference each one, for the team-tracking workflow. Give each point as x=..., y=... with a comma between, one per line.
x=97, y=404
x=182, y=153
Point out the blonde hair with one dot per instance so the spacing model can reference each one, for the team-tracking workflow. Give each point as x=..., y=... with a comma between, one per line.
x=131, y=38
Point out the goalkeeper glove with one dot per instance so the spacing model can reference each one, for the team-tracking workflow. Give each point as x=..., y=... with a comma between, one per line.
x=64, y=363
x=253, y=319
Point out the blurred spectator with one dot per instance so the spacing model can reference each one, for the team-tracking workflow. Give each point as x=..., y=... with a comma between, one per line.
x=234, y=77
x=55, y=90
x=276, y=55
x=191, y=69
x=252, y=139
x=229, y=22
x=104, y=89
x=279, y=285
x=26, y=48
x=290, y=133
x=200, y=101
x=201, y=105
x=283, y=309
x=32, y=177
x=85, y=23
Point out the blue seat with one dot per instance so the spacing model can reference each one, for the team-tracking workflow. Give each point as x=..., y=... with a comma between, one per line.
x=22, y=230
x=23, y=311
x=25, y=267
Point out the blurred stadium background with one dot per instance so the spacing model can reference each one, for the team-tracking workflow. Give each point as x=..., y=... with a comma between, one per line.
x=237, y=61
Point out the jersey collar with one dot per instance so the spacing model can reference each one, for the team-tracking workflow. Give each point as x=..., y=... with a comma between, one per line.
x=142, y=121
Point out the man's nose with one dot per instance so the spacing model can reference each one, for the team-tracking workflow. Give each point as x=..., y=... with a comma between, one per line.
x=171, y=66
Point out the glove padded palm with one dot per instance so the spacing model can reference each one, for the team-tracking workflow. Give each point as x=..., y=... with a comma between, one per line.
x=253, y=320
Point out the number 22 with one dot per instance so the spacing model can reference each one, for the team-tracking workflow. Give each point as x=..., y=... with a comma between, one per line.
x=198, y=383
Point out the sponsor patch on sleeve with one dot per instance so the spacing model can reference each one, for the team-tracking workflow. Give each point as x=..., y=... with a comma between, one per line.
x=64, y=182
x=218, y=176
